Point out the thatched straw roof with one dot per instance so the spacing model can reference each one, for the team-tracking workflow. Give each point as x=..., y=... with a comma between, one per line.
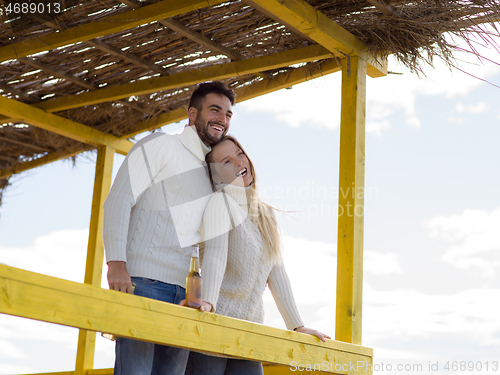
x=57, y=63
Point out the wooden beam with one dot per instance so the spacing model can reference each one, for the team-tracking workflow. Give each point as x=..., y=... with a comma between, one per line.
x=317, y=26
x=105, y=47
x=61, y=125
x=152, y=123
x=45, y=20
x=276, y=18
x=200, y=38
x=24, y=144
x=20, y=93
x=30, y=295
x=27, y=165
x=288, y=79
x=387, y=9
x=58, y=73
x=192, y=77
x=351, y=202
x=105, y=26
x=95, y=251
x=208, y=43
x=9, y=158
x=217, y=72
x=254, y=90
x=74, y=79
x=130, y=57
x=190, y=34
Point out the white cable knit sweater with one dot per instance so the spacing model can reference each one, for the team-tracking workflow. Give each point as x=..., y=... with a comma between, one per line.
x=155, y=207
x=234, y=267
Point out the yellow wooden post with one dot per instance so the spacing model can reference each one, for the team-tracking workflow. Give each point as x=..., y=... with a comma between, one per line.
x=351, y=202
x=95, y=251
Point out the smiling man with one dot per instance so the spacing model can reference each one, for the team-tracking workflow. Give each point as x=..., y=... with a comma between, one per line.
x=152, y=217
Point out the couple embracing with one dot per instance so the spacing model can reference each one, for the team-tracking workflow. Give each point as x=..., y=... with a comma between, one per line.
x=174, y=191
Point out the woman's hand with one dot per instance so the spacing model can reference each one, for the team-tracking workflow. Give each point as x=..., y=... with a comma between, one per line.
x=311, y=331
x=205, y=306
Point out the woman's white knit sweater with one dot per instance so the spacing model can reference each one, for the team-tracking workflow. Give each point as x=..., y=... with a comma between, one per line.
x=235, y=267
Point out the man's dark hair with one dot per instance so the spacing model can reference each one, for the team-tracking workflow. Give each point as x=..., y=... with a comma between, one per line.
x=216, y=87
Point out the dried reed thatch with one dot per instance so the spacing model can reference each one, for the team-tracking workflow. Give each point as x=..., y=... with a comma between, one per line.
x=415, y=32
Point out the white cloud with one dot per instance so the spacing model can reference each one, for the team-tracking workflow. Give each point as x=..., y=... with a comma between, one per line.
x=474, y=239
x=317, y=103
x=405, y=315
x=381, y=353
x=308, y=261
x=60, y=254
x=378, y=263
x=470, y=313
x=455, y=120
x=13, y=369
x=377, y=127
x=390, y=315
x=472, y=108
x=312, y=269
x=314, y=103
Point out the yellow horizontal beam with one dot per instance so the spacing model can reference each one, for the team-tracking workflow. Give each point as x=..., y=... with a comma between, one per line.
x=217, y=72
x=61, y=125
x=254, y=90
x=318, y=27
x=171, y=117
x=105, y=26
x=35, y=296
x=195, y=76
x=27, y=165
x=290, y=78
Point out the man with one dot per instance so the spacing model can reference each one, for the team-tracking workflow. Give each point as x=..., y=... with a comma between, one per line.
x=152, y=216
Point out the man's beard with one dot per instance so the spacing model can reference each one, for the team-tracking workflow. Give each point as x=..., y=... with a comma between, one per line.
x=202, y=128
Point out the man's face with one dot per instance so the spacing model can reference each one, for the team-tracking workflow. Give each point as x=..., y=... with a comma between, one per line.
x=213, y=120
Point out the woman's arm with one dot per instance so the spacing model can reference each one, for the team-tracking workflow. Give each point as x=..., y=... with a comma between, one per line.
x=280, y=287
x=216, y=227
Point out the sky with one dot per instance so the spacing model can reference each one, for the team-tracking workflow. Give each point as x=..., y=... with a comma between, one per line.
x=431, y=287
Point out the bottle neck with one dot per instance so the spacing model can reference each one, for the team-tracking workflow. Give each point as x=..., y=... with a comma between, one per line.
x=195, y=264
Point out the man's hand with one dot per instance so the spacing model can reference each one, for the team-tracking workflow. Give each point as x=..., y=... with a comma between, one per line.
x=205, y=306
x=118, y=277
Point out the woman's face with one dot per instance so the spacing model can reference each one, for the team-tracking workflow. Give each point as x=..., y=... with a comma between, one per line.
x=230, y=165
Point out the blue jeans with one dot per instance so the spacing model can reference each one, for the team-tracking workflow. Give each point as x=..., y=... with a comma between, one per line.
x=201, y=364
x=144, y=358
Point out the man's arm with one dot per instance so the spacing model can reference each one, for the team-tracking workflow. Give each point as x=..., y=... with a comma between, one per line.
x=118, y=277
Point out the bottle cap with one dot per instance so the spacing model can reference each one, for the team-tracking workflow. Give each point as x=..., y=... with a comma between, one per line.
x=195, y=251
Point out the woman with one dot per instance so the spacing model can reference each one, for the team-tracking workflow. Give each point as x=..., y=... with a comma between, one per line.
x=242, y=254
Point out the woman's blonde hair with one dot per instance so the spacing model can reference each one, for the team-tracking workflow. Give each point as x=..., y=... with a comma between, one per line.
x=261, y=213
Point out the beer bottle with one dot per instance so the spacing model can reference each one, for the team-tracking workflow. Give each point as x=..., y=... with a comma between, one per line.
x=193, y=280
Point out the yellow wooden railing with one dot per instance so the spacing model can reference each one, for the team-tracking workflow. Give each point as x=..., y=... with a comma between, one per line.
x=93, y=309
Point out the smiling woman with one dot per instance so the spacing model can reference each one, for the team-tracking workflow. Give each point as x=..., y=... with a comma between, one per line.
x=230, y=165
x=242, y=255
